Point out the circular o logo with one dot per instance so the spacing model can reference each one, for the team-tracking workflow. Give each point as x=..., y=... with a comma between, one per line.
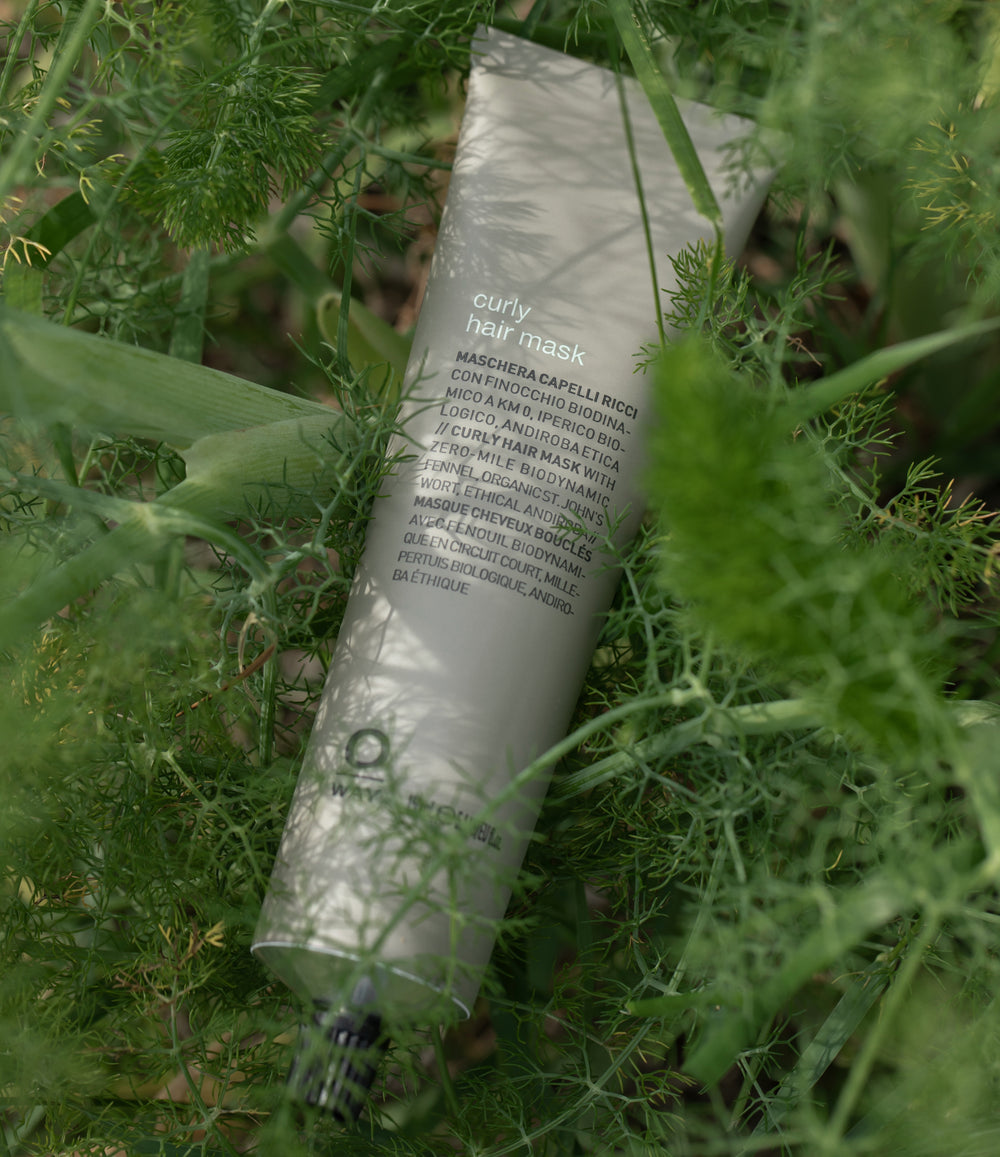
x=367, y=747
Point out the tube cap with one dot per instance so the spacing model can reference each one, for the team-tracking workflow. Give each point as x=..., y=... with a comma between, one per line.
x=336, y=1059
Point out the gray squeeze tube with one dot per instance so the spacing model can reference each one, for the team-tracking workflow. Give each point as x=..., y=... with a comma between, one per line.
x=478, y=602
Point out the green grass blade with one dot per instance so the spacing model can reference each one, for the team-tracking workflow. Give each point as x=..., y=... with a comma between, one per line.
x=866, y=907
x=826, y=1045
x=661, y=99
x=188, y=337
x=889, y=360
x=55, y=374
x=294, y=263
x=532, y=20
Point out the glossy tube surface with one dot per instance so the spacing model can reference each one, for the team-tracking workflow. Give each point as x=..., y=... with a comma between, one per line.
x=479, y=599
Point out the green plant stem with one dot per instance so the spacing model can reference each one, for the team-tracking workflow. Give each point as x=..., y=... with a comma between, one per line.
x=444, y=1073
x=174, y=1007
x=343, y=320
x=892, y=1006
x=188, y=336
x=643, y=211
x=694, y=731
x=259, y=26
x=269, y=692
x=13, y=60
x=745, y=719
x=402, y=157
x=63, y=62
x=524, y=1144
x=654, y=84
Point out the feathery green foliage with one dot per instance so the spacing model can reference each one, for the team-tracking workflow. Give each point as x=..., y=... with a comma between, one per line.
x=760, y=916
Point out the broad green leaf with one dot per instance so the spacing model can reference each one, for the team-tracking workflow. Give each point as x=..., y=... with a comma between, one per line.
x=22, y=287
x=352, y=76
x=238, y=470
x=49, y=589
x=227, y=474
x=235, y=461
x=64, y=221
x=55, y=374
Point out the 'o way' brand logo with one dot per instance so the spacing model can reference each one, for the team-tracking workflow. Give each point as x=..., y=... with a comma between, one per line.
x=366, y=757
x=366, y=749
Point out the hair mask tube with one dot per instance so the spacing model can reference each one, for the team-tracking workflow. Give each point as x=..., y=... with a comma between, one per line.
x=475, y=611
